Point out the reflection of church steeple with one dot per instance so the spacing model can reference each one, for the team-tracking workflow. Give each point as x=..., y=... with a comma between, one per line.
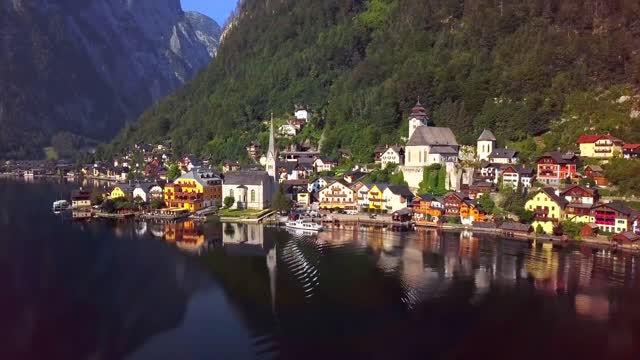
x=272, y=265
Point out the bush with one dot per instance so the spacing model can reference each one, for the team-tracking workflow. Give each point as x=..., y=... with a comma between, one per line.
x=229, y=201
x=157, y=204
x=539, y=229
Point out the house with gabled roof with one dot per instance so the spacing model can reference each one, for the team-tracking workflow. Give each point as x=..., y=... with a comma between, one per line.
x=337, y=195
x=614, y=217
x=503, y=156
x=599, y=146
x=548, y=209
x=631, y=151
x=553, y=167
x=397, y=197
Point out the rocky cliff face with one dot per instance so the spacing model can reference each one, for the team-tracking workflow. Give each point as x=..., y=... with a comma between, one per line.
x=89, y=66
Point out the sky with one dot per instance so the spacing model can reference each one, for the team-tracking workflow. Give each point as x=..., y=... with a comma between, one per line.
x=219, y=10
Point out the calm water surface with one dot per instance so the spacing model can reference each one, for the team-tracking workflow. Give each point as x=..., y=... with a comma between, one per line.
x=126, y=290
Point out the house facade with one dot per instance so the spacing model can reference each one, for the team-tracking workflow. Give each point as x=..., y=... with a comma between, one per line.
x=194, y=191
x=580, y=200
x=631, y=151
x=514, y=176
x=393, y=155
x=554, y=167
x=600, y=146
x=615, y=217
x=337, y=195
x=80, y=199
x=250, y=189
x=427, y=210
x=324, y=164
x=121, y=191
x=397, y=197
x=503, y=156
x=548, y=209
x=452, y=203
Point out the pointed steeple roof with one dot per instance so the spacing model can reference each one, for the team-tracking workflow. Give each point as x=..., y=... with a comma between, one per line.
x=272, y=142
x=487, y=135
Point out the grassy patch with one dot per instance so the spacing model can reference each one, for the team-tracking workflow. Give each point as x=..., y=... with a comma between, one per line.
x=241, y=213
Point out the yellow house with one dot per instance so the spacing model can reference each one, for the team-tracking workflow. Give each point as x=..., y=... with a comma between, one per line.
x=376, y=197
x=600, y=146
x=548, y=209
x=304, y=199
x=193, y=191
x=121, y=191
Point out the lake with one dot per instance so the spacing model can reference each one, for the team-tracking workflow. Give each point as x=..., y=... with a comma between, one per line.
x=133, y=290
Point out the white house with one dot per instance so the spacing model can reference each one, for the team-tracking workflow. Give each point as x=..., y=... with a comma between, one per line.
x=512, y=175
x=393, y=155
x=318, y=184
x=287, y=130
x=397, y=197
x=251, y=189
x=362, y=194
x=147, y=191
x=503, y=156
x=485, y=145
x=302, y=113
x=324, y=164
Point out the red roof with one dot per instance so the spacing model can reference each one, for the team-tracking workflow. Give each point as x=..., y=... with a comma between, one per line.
x=588, y=139
x=631, y=146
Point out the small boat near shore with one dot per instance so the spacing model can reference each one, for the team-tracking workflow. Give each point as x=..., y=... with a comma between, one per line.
x=303, y=225
x=60, y=205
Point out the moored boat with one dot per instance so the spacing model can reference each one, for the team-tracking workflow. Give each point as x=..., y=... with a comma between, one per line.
x=60, y=205
x=304, y=225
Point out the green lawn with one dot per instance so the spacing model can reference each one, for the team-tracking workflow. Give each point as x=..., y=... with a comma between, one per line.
x=241, y=213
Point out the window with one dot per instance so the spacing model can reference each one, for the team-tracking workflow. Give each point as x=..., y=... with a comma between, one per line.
x=231, y=193
x=253, y=196
x=620, y=221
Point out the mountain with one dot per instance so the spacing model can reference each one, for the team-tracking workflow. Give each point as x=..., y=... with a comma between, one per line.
x=521, y=68
x=87, y=67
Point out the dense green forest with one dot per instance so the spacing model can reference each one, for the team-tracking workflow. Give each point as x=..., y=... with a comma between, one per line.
x=522, y=68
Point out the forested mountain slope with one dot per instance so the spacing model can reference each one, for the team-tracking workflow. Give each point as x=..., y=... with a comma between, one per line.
x=518, y=67
x=86, y=67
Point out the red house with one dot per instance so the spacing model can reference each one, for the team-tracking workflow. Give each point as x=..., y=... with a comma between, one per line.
x=453, y=202
x=626, y=238
x=614, y=217
x=553, y=167
x=596, y=173
x=631, y=151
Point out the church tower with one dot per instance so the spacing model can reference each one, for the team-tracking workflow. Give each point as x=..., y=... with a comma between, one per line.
x=486, y=144
x=417, y=118
x=272, y=154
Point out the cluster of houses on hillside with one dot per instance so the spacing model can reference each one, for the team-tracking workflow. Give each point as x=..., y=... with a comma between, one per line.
x=310, y=181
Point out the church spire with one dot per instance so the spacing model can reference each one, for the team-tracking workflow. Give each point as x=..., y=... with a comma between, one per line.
x=272, y=155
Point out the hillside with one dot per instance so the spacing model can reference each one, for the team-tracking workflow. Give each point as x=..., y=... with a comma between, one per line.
x=84, y=68
x=518, y=67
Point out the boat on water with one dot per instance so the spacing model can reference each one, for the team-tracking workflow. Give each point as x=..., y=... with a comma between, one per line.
x=303, y=225
x=60, y=205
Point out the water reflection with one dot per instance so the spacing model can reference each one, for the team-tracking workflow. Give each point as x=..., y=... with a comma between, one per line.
x=243, y=291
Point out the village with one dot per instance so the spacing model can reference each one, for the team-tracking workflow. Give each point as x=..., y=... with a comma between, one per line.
x=441, y=183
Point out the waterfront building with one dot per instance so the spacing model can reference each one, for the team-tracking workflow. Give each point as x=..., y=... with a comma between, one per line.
x=250, y=189
x=614, y=217
x=428, y=145
x=427, y=210
x=627, y=238
x=453, y=202
x=470, y=212
x=554, y=167
x=80, y=199
x=397, y=197
x=122, y=191
x=376, y=197
x=148, y=191
x=600, y=146
x=337, y=195
x=548, y=208
x=362, y=195
x=194, y=191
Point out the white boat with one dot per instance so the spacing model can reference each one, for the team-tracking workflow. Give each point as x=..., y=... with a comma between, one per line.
x=60, y=205
x=303, y=225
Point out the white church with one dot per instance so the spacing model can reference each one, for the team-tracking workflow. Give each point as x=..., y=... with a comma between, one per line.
x=428, y=145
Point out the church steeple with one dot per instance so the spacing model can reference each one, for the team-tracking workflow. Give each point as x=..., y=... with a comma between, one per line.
x=272, y=154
